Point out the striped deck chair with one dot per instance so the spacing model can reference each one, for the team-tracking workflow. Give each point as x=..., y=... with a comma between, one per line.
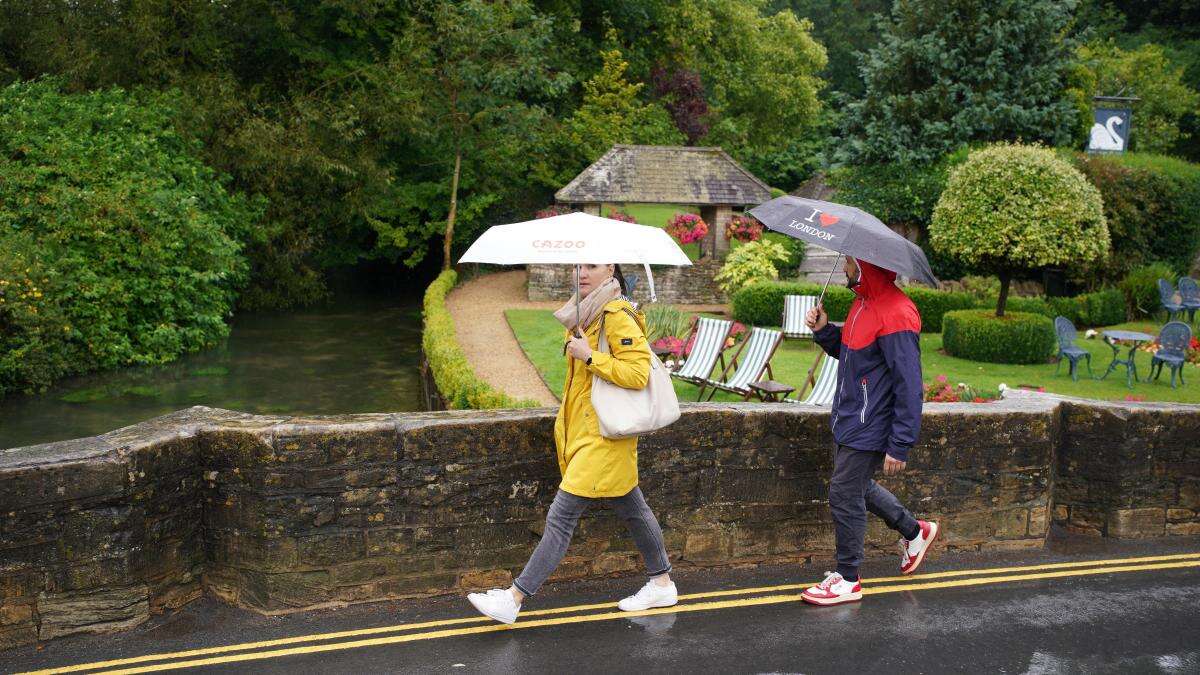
x=752, y=359
x=707, y=351
x=795, y=309
x=823, y=385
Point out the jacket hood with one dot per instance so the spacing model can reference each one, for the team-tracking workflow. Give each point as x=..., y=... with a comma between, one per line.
x=874, y=281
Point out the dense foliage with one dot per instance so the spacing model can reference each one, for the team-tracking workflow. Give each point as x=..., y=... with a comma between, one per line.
x=1150, y=203
x=949, y=72
x=1010, y=207
x=980, y=335
x=351, y=118
x=1140, y=287
x=117, y=245
x=750, y=263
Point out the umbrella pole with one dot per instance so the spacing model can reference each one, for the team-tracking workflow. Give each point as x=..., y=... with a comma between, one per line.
x=821, y=300
x=577, y=334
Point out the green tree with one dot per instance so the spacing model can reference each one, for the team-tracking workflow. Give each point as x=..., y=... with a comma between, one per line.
x=471, y=74
x=612, y=113
x=1144, y=72
x=1013, y=207
x=760, y=69
x=949, y=72
x=846, y=28
x=117, y=245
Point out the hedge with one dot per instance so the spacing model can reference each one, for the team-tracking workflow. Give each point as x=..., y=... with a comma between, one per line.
x=761, y=304
x=1016, y=337
x=452, y=372
x=1151, y=204
x=1102, y=308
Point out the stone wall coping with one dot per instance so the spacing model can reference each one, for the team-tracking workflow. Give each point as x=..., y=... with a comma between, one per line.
x=199, y=419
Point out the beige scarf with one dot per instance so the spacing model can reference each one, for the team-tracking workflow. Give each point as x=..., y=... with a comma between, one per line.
x=590, y=307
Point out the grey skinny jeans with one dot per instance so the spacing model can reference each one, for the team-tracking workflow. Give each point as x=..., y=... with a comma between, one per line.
x=561, y=520
x=852, y=493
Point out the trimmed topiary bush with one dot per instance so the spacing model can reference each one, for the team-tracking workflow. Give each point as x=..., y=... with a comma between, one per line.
x=1012, y=207
x=980, y=335
x=452, y=372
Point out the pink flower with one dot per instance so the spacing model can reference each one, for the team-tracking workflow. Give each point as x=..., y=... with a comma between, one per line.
x=941, y=379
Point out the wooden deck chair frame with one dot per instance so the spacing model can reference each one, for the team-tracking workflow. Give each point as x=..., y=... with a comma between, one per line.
x=702, y=381
x=802, y=310
x=720, y=384
x=810, y=382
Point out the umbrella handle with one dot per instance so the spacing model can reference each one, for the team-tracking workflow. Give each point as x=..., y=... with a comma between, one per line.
x=650, y=279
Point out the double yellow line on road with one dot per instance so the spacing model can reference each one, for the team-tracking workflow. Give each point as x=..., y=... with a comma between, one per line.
x=764, y=595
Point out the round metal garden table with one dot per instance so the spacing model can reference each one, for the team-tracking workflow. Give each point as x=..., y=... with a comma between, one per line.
x=1134, y=338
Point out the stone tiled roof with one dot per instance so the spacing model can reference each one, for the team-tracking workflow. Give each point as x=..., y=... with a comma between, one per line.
x=665, y=175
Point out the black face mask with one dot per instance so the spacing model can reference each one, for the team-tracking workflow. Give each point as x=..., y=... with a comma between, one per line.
x=851, y=283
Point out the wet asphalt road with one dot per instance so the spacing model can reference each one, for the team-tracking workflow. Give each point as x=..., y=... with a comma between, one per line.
x=1095, y=621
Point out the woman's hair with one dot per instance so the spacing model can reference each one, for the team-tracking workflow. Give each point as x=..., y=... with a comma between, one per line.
x=620, y=280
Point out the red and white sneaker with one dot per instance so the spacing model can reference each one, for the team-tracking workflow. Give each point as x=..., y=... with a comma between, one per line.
x=913, y=552
x=834, y=590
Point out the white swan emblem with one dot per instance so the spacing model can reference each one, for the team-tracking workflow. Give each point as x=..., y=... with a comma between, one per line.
x=1105, y=137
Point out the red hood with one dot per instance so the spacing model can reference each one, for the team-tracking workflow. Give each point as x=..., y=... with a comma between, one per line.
x=874, y=282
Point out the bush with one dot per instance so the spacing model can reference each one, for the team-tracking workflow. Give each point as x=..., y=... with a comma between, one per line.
x=761, y=304
x=1140, y=287
x=980, y=335
x=750, y=262
x=118, y=245
x=452, y=372
x=1151, y=204
x=1020, y=304
x=1101, y=308
x=932, y=304
x=1011, y=207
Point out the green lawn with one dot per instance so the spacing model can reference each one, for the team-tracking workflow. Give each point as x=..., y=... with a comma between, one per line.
x=540, y=336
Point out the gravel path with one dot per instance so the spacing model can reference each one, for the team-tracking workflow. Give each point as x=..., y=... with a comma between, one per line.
x=478, y=307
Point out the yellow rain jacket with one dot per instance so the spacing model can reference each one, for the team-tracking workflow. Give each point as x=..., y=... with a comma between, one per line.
x=591, y=465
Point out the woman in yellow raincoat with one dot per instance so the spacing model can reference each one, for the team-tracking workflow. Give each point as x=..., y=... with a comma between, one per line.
x=593, y=467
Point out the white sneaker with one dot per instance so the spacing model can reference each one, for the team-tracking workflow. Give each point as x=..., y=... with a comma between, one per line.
x=497, y=604
x=651, y=595
x=834, y=590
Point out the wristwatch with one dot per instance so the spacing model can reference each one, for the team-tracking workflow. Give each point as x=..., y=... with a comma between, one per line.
x=588, y=362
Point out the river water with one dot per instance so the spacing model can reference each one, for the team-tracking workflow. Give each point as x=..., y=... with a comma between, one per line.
x=356, y=354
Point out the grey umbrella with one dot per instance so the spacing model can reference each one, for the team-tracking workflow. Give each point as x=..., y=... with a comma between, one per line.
x=846, y=230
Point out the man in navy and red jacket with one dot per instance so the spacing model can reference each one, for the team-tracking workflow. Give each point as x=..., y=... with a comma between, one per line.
x=876, y=420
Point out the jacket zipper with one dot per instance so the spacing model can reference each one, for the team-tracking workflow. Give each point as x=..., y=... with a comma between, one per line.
x=842, y=384
x=862, y=416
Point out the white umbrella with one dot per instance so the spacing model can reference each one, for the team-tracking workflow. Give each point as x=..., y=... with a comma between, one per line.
x=576, y=239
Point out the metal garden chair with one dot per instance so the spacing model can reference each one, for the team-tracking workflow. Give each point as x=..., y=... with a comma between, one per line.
x=1067, y=349
x=1166, y=295
x=1189, y=296
x=1173, y=342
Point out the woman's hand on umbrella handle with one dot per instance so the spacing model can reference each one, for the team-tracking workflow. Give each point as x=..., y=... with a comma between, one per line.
x=817, y=318
x=579, y=348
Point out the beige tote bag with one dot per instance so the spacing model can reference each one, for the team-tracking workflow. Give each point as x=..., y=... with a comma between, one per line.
x=632, y=412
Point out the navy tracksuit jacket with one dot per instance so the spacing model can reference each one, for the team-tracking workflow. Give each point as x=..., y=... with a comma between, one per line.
x=877, y=405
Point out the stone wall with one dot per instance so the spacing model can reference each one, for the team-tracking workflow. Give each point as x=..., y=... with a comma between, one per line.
x=279, y=514
x=1129, y=471
x=675, y=285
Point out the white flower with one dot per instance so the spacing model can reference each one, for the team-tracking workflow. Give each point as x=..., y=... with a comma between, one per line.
x=1003, y=386
x=962, y=385
x=1091, y=333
